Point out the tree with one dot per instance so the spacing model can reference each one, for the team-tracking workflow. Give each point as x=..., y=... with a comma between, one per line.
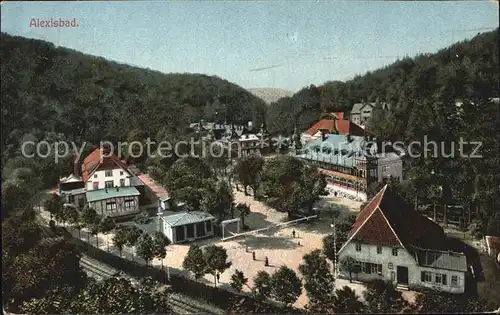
x=313, y=185
x=217, y=198
x=52, y=264
x=346, y=301
x=440, y=302
x=122, y=297
x=185, y=181
x=382, y=297
x=262, y=285
x=53, y=205
x=195, y=262
x=319, y=282
x=19, y=235
x=238, y=280
x=120, y=238
x=106, y=226
x=132, y=234
x=349, y=265
x=216, y=260
x=285, y=286
x=281, y=183
x=94, y=229
x=248, y=170
x=145, y=247
x=73, y=218
x=89, y=218
x=244, y=211
x=160, y=241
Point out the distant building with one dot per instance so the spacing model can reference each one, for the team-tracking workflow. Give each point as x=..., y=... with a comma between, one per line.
x=241, y=140
x=184, y=226
x=335, y=124
x=351, y=163
x=362, y=112
x=392, y=241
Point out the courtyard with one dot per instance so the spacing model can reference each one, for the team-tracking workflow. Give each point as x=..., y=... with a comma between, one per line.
x=277, y=244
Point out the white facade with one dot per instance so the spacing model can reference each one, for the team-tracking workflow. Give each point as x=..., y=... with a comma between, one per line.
x=384, y=265
x=112, y=177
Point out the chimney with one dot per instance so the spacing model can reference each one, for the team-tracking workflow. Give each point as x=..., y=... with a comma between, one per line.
x=106, y=190
x=348, y=138
x=117, y=188
x=323, y=135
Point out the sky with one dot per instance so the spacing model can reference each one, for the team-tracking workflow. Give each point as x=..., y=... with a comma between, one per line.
x=276, y=44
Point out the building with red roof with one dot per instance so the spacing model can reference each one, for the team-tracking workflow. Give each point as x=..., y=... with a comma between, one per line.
x=333, y=123
x=106, y=184
x=390, y=240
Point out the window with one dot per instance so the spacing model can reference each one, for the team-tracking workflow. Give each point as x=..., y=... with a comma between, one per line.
x=130, y=203
x=71, y=198
x=110, y=205
x=108, y=173
x=95, y=175
x=376, y=268
x=438, y=278
x=385, y=169
x=109, y=184
x=454, y=281
x=394, y=252
x=426, y=276
x=122, y=182
x=209, y=226
x=121, y=172
x=358, y=247
x=95, y=185
x=379, y=249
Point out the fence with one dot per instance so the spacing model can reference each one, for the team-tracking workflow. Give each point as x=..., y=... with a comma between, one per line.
x=278, y=225
x=219, y=297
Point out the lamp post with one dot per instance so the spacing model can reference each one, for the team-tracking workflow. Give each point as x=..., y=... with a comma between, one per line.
x=334, y=249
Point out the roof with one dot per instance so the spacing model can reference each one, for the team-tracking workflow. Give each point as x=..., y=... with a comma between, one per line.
x=70, y=179
x=96, y=159
x=337, y=126
x=335, y=149
x=442, y=260
x=102, y=194
x=187, y=218
x=389, y=220
x=135, y=181
x=356, y=108
x=73, y=192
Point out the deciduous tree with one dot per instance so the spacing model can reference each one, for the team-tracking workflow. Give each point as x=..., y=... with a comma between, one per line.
x=285, y=286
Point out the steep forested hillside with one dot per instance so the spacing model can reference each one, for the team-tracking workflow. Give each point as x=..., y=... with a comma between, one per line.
x=465, y=70
x=57, y=93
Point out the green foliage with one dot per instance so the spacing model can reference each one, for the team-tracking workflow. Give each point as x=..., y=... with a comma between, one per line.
x=244, y=210
x=216, y=198
x=436, y=302
x=195, y=262
x=145, y=247
x=238, y=280
x=142, y=218
x=160, y=241
x=382, y=297
x=89, y=217
x=289, y=185
x=247, y=171
x=346, y=301
x=52, y=264
x=121, y=298
x=132, y=235
x=262, y=285
x=186, y=179
x=285, y=286
x=19, y=235
x=120, y=238
x=107, y=225
x=348, y=264
x=216, y=259
x=319, y=282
